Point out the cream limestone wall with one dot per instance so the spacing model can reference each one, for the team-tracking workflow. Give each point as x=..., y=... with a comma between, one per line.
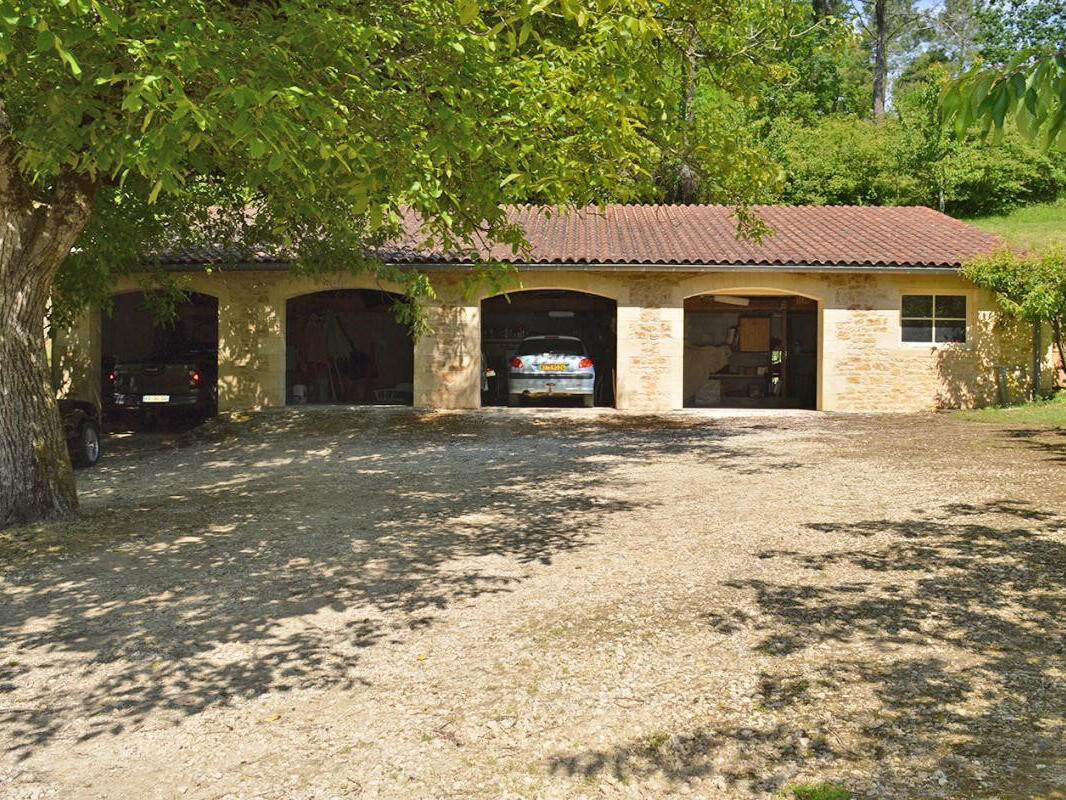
x=863, y=366
x=251, y=332
x=650, y=327
x=651, y=344
x=74, y=357
x=448, y=359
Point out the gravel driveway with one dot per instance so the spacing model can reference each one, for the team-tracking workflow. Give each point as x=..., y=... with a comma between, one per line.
x=386, y=603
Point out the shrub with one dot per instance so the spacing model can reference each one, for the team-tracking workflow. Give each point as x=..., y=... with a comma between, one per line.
x=840, y=161
x=1030, y=287
x=983, y=178
x=820, y=791
x=849, y=161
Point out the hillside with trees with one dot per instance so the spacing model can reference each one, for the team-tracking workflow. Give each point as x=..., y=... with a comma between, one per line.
x=844, y=105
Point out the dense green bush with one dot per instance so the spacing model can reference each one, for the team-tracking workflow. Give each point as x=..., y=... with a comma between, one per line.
x=846, y=160
x=986, y=179
x=839, y=160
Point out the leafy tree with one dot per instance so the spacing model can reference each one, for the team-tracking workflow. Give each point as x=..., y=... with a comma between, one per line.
x=713, y=61
x=956, y=29
x=924, y=145
x=1030, y=287
x=1023, y=74
x=963, y=174
x=928, y=68
x=1008, y=27
x=127, y=126
x=1029, y=90
x=840, y=160
x=892, y=28
x=823, y=71
x=910, y=159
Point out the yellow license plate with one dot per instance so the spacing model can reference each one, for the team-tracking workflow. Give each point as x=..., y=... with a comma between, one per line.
x=553, y=367
x=156, y=398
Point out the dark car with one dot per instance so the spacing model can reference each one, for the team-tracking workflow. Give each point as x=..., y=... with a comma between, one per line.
x=175, y=382
x=81, y=426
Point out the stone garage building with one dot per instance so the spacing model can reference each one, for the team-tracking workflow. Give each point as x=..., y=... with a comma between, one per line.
x=838, y=309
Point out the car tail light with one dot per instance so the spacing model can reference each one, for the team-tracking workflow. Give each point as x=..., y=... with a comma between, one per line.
x=516, y=362
x=194, y=379
x=584, y=363
x=111, y=376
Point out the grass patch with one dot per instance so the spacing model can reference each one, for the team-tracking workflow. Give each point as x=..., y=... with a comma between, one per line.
x=820, y=791
x=1040, y=414
x=656, y=741
x=1030, y=227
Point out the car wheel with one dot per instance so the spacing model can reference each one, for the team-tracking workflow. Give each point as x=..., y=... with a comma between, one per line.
x=588, y=400
x=86, y=450
x=514, y=399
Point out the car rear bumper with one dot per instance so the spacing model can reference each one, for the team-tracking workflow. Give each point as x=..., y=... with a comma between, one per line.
x=544, y=385
x=134, y=402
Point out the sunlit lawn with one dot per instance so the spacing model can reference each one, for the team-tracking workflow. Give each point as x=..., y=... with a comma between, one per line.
x=1045, y=413
x=1032, y=227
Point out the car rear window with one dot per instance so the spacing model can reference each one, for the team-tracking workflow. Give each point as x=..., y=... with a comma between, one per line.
x=562, y=347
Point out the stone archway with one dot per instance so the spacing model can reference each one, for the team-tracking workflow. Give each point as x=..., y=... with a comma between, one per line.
x=752, y=347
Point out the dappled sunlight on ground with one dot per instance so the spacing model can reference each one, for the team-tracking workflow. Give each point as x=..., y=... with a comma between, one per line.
x=396, y=602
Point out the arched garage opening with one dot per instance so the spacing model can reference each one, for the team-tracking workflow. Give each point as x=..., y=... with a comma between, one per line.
x=751, y=351
x=159, y=358
x=510, y=324
x=346, y=346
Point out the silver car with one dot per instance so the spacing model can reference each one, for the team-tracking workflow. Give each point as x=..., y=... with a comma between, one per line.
x=551, y=366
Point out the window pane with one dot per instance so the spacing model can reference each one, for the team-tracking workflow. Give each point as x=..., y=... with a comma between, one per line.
x=951, y=305
x=951, y=330
x=917, y=305
x=917, y=330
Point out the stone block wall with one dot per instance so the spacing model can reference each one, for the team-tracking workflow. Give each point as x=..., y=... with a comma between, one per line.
x=651, y=347
x=863, y=365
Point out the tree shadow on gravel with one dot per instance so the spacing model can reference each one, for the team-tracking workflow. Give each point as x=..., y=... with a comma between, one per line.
x=936, y=670
x=1050, y=443
x=270, y=552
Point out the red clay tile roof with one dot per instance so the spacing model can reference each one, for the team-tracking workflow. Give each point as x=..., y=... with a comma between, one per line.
x=705, y=236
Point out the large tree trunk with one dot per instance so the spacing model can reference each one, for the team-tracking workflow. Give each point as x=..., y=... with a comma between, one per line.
x=36, y=481
x=880, y=57
x=687, y=179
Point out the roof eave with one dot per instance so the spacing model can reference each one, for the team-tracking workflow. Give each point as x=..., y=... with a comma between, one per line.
x=589, y=266
x=923, y=269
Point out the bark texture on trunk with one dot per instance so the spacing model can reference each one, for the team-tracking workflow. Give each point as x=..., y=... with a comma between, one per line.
x=822, y=9
x=36, y=481
x=688, y=180
x=880, y=57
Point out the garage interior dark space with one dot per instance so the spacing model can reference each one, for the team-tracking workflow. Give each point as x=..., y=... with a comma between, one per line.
x=346, y=346
x=508, y=319
x=134, y=332
x=751, y=351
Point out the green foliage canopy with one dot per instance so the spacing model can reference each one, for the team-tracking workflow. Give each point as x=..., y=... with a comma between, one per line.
x=1030, y=89
x=1031, y=287
x=1008, y=27
x=907, y=160
x=329, y=117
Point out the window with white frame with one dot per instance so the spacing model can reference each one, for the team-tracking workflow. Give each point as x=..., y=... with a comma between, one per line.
x=933, y=318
